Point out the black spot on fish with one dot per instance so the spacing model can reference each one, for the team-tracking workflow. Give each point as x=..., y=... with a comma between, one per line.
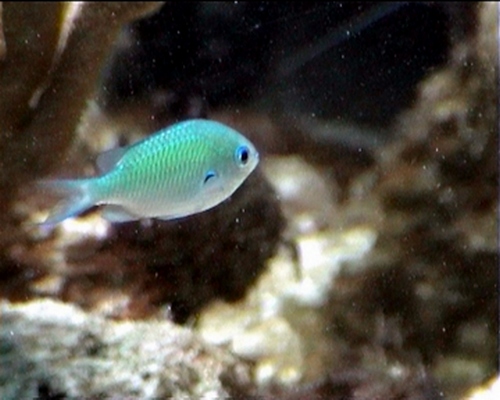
x=209, y=175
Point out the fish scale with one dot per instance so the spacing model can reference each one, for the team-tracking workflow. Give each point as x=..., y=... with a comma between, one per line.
x=163, y=176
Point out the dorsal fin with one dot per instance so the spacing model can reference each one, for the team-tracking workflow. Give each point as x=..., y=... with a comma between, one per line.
x=107, y=160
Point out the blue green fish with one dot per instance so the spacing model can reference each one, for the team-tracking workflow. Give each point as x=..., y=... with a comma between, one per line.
x=182, y=170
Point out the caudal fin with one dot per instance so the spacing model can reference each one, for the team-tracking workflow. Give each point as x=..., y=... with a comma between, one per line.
x=75, y=196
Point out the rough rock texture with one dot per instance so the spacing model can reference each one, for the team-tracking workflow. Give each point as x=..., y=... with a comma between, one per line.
x=50, y=350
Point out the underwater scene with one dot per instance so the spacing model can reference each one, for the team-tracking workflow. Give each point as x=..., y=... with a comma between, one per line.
x=249, y=200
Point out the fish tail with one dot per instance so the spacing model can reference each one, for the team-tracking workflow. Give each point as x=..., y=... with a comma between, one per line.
x=76, y=198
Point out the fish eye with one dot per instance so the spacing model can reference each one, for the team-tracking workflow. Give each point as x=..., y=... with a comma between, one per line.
x=242, y=155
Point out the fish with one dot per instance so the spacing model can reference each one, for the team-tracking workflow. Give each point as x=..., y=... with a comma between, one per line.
x=187, y=168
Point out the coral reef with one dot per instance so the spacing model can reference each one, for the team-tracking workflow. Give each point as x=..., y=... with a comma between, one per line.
x=430, y=292
x=357, y=262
